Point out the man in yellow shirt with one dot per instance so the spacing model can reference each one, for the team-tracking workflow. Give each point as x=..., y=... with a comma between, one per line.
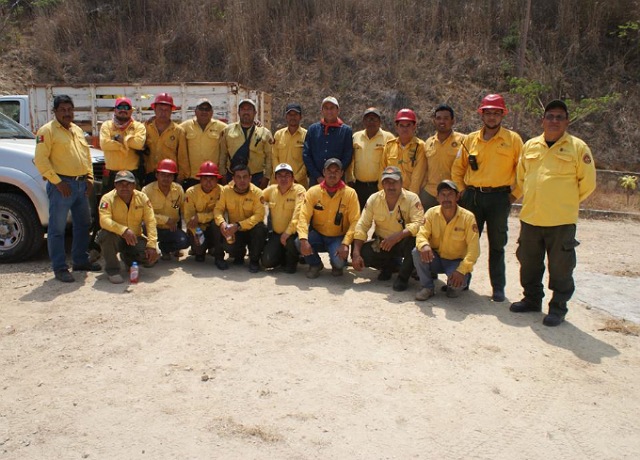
x=122, y=141
x=239, y=213
x=284, y=200
x=328, y=220
x=485, y=172
x=448, y=242
x=199, y=203
x=166, y=198
x=556, y=173
x=363, y=173
x=62, y=157
x=441, y=150
x=406, y=152
x=397, y=215
x=123, y=211
x=289, y=143
x=165, y=140
x=245, y=143
x=204, y=134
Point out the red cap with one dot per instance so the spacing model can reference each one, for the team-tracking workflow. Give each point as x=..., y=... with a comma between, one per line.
x=123, y=100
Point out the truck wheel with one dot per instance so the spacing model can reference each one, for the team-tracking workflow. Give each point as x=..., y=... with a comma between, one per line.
x=21, y=234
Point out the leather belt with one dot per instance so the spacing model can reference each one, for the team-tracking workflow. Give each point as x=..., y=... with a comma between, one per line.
x=503, y=189
x=76, y=178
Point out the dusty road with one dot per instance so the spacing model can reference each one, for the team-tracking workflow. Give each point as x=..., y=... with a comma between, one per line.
x=194, y=363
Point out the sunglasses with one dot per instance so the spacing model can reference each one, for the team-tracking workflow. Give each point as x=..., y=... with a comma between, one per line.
x=123, y=107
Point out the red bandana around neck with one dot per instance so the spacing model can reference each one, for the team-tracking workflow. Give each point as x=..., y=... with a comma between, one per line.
x=118, y=124
x=337, y=187
x=335, y=124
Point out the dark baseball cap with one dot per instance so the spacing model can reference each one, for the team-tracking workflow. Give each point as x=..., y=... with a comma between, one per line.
x=293, y=106
x=448, y=184
x=556, y=104
x=391, y=172
x=372, y=110
x=126, y=176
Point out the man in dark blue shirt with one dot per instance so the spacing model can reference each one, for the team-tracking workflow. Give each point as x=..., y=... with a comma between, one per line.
x=328, y=138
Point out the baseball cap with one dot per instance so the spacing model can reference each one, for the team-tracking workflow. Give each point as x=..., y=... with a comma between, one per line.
x=447, y=184
x=332, y=161
x=123, y=100
x=293, y=106
x=126, y=176
x=247, y=101
x=283, y=167
x=203, y=101
x=556, y=104
x=372, y=110
x=331, y=99
x=391, y=172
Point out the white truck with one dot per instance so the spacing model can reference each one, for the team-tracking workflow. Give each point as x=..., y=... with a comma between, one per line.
x=94, y=102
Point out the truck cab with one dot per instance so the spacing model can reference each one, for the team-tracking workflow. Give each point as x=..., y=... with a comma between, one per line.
x=17, y=108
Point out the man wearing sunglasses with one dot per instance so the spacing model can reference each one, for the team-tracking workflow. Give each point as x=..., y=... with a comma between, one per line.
x=120, y=139
x=485, y=173
x=556, y=173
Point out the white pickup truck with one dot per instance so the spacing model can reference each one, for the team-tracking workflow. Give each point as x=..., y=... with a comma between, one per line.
x=94, y=102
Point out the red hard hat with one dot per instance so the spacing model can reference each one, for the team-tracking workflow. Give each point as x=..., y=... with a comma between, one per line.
x=493, y=101
x=167, y=166
x=406, y=115
x=163, y=98
x=209, y=168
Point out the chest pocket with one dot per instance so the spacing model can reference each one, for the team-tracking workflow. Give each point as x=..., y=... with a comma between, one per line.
x=505, y=150
x=289, y=204
x=212, y=134
x=191, y=134
x=564, y=164
x=247, y=206
x=171, y=143
x=457, y=234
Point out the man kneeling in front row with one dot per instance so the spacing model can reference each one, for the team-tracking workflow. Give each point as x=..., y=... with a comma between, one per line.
x=122, y=213
x=397, y=214
x=448, y=242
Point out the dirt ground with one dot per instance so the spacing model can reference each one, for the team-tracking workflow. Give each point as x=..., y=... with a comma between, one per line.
x=195, y=363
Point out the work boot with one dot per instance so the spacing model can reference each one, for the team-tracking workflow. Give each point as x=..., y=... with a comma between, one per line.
x=498, y=295
x=337, y=271
x=424, y=294
x=400, y=284
x=553, y=319
x=64, y=276
x=525, y=305
x=384, y=275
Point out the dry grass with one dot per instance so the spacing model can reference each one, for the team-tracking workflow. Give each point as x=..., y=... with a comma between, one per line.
x=621, y=326
x=612, y=200
x=388, y=53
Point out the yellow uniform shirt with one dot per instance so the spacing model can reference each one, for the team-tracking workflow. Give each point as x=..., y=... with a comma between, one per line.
x=284, y=208
x=409, y=158
x=202, y=144
x=367, y=156
x=171, y=144
x=555, y=180
x=287, y=148
x=497, y=161
x=407, y=213
x=319, y=212
x=196, y=201
x=259, y=149
x=246, y=209
x=165, y=207
x=119, y=156
x=440, y=157
x=62, y=151
x=116, y=217
x=457, y=239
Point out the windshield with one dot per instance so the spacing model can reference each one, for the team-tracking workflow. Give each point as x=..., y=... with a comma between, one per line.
x=9, y=129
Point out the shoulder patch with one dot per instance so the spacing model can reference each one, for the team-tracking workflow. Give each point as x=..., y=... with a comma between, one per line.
x=104, y=205
x=262, y=200
x=586, y=159
x=474, y=228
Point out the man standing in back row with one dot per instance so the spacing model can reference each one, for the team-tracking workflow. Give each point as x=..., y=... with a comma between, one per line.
x=485, y=173
x=288, y=145
x=556, y=173
x=327, y=138
x=63, y=158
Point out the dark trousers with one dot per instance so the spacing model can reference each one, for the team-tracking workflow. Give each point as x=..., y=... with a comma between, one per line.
x=387, y=259
x=428, y=201
x=558, y=244
x=255, y=239
x=169, y=241
x=276, y=254
x=364, y=190
x=212, y=240
x=492, y=209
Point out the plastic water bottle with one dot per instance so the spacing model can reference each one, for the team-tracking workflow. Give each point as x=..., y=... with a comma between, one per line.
x=199, y=236
x=232, y=238
x=134, y=272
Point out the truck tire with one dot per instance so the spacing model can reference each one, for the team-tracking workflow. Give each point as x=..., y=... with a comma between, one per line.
x=21, y=234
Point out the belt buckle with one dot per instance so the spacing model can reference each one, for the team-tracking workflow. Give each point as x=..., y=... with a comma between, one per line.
x=485, y=189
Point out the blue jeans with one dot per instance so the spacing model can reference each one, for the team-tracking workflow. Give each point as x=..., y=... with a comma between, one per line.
x=59, y=208
x=321, y=243
x=169, y=241
x=437, y=265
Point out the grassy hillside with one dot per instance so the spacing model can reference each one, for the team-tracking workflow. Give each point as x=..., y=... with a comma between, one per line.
x=387, y=53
